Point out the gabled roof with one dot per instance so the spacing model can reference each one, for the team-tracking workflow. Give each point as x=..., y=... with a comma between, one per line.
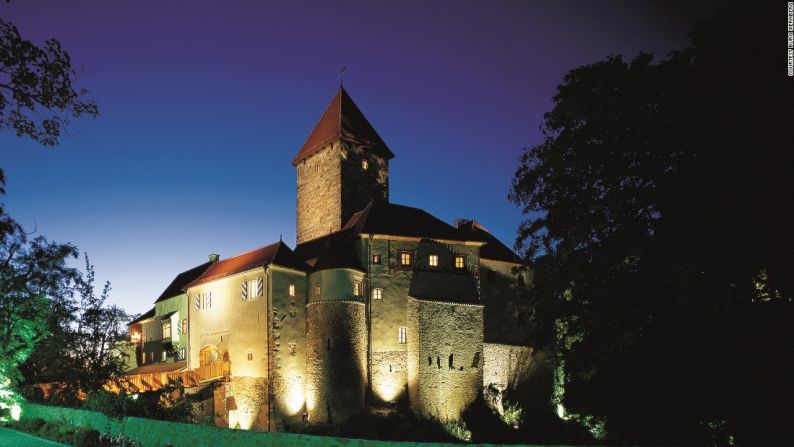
x=277, y=253
x=183, y=279
x=493, y=248
x=342, y=119
x=399, y=220
x=144, y=316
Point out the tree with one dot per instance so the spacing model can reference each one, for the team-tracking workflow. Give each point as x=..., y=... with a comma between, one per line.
x=33, y=275
x=657, y=228
x=78, y=353
x=37, y=97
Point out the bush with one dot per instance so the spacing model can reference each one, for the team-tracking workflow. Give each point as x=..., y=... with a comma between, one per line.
x=60, y=432
x=457, y=429
x=167, y=404
x=512, y=414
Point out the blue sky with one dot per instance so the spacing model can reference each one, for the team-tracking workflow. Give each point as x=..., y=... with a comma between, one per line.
x=204, y=104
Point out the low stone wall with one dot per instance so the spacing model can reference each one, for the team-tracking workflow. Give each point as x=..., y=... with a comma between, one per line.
x=151, y=433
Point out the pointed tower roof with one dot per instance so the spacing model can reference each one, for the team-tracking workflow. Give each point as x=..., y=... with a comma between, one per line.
x=342, y=119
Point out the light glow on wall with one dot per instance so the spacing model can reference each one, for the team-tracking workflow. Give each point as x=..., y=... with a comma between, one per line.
x=387, y=389
x=295, y=396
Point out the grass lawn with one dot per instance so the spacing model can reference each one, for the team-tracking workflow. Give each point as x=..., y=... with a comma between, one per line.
x=18, y=439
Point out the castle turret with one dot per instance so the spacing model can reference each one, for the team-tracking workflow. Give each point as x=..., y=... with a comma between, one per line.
x=342, y=166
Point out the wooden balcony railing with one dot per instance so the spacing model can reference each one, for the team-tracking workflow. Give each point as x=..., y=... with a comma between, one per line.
x=135, y=383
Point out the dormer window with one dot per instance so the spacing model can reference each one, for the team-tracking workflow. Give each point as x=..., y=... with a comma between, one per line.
x=364, y=164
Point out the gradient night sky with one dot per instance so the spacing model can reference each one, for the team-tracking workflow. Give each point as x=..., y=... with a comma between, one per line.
x=204, y=103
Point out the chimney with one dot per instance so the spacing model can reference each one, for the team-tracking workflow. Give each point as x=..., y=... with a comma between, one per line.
x=214, y=257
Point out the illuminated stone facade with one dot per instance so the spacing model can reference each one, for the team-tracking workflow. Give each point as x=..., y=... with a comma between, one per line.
x=377, y=303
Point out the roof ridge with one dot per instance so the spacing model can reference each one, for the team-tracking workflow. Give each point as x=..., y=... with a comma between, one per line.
x=249, y=251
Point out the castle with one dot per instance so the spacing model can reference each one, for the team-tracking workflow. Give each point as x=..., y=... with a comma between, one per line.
x=377, y=302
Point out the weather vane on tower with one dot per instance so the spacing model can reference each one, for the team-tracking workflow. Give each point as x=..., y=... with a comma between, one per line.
x=342, y=69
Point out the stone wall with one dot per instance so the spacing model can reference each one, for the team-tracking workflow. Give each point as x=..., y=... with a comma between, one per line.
x=247, y=403
x=359, y=185
x=319, y=194
x=508, y=311
x=153, y=433
x=336, y=360
x=445, y=365
x=288, y=346
x=389, y=375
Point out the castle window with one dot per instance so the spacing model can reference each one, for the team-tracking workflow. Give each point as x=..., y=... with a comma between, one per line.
x=292, y=290
x=376, y=259
x=403, y=335
x=406, y=259
x=184, y=326
x=143, y=358
x=165, y=356
x=208, y=300
x=167, y=329
x=452, y=361
x=365, y=164
x=316, y=169
x=255, y=288
x=317, y=290
x=151, y=357
x=520, y=279
x=460, y=261
x=357, y=288
x=249, y=356
x=433, y=260
x=377, y=294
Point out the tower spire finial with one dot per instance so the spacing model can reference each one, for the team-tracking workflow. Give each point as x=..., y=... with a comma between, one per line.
x=342, y=69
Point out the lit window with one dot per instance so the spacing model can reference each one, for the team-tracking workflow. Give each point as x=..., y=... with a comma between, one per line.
x=365, y=164
x=376, y=259
x=184, y=326
x=254, y=289
x=377, y=294
x=143, y=358
x=165, y=356
x=357, y=288
x=433, y=260
x=151, y=357
x=460, y=262
x=166, y=329
x=403, y=335
x=316, y=290
x=405, y=259
x=292, y=290
x=250, y=356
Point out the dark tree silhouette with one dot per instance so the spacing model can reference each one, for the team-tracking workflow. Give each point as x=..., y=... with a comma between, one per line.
x=659, y=223
x=37, y=97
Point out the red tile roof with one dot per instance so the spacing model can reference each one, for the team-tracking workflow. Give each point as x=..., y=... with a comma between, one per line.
x=278, y=253
x=342, y=119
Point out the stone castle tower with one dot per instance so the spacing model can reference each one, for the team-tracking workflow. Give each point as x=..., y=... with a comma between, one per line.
x=342, y=166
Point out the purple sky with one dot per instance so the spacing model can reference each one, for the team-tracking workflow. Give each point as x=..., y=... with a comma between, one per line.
x=204, y=103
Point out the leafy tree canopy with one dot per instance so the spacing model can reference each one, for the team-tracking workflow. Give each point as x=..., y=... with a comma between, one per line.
x=658, y=228
x=37, y=96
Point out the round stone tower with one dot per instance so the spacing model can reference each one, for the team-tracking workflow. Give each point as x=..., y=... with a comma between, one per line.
x=336, y=361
